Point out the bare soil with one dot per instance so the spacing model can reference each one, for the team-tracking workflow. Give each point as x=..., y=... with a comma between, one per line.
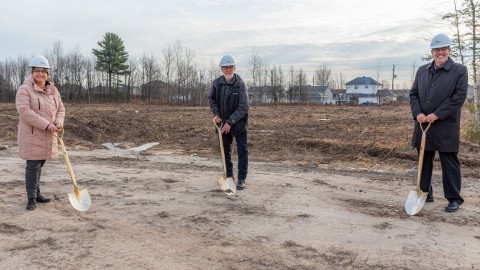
x=326, y=190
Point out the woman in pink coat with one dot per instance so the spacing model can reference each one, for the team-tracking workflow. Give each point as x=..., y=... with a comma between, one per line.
x=41, y=114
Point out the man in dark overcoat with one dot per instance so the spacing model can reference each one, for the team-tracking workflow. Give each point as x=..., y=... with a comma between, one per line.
x=437, y=96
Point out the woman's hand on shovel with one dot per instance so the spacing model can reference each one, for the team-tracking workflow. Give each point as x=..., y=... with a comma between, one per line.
x=52, y=128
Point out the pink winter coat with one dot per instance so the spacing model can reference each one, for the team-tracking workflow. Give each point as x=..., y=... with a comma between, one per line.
x=37, y=109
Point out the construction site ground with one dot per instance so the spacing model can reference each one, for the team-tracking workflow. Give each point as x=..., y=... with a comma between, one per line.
x=326, y=189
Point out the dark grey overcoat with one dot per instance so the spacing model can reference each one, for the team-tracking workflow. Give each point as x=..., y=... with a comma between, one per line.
x=440, y=91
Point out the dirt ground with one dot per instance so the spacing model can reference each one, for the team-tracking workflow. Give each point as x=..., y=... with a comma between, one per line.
x=326, y=190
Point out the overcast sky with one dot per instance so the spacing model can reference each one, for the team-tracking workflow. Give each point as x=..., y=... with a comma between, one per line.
x=354, y=37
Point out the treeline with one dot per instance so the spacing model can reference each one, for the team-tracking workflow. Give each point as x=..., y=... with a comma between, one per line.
x=109, y=74
x=175, y=76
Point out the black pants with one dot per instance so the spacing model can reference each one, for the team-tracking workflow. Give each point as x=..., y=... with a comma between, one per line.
x=242, y=150
x=33, y=173
x=451, y=175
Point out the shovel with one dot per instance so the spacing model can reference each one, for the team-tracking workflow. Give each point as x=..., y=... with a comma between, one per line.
x=227, y=184
x=79, y=199
x=416, y=198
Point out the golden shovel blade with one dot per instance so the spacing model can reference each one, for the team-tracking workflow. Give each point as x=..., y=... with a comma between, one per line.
x=231, y=186
x=221, y=182
x=82, y=202
x=227, y=185
x=415, y=202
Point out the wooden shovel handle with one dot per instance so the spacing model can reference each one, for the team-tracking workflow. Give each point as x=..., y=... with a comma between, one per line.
x=67, y=161
x=220, y=139
x=421, y=155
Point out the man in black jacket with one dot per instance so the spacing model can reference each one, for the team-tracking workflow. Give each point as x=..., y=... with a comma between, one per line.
x=436, y=97
x=229, y=104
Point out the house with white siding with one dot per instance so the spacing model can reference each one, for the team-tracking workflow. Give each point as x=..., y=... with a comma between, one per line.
x=362, y=90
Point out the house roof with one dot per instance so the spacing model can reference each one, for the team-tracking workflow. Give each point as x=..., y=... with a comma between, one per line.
x=363, y=81
x=401, y=93
x=155, y=84
x=316, y=89
x=385, y=93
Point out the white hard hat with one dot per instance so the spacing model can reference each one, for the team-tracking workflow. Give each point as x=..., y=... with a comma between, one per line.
x=440, y=41
x=39, y=61
x=227, y=61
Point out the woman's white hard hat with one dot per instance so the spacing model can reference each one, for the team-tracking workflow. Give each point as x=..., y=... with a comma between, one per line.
x=39, y=61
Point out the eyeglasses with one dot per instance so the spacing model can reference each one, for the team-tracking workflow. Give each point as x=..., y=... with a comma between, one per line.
x=228, y=67
x=443, y=49
x=40, y=71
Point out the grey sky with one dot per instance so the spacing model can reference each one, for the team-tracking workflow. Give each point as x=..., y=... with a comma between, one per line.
x=353, y=37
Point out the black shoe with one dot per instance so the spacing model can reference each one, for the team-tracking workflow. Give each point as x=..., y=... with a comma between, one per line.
x=241, y=185
x=429, y=199
x=452, y=207
x=31, y=204
x=41, y=199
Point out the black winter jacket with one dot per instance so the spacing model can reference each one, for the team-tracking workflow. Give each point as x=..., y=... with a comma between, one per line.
x=442, y=92
x=229, y=101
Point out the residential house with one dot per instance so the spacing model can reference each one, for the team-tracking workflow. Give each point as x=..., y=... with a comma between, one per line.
x=402, y=95
x=362, y=90
x=386, y=96
x=155, y=89
x=339, y=96
x=319, y=94
x=266, y=94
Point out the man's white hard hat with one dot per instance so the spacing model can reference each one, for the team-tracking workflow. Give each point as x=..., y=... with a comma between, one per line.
x=227, y=60
x=440, y=41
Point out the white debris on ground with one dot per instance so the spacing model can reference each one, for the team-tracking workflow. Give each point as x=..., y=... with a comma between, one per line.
x=114, y=147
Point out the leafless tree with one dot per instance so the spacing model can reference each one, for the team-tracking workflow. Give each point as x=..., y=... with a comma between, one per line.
x=131, y=78
x=149, y=72
x=169, y=68
x=412, y=77
x=89, y=77
x=277, y=84
x=255, y=66
x=74, y=73
x=292, y=91
x=386, y=84
x=377, y=73
x=322, y=74
x=465, y=26
x=301, y=83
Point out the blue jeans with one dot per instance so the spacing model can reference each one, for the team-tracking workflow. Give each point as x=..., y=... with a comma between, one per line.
x=33, y=172
x=242, y=150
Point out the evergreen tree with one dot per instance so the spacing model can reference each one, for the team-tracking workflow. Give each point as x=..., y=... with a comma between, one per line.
x=111, y=57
